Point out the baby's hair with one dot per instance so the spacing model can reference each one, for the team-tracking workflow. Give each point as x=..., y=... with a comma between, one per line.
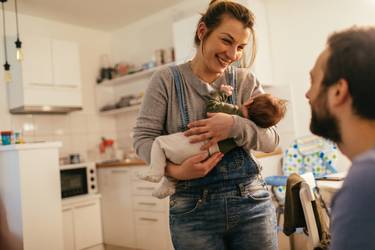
x=266, y=110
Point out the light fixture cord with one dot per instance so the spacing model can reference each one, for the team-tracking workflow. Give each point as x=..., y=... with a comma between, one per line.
x=4, y=38
x=15, y=6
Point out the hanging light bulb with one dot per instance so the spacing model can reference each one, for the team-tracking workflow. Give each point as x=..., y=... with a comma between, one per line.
x=7, y=74
x=19, y=53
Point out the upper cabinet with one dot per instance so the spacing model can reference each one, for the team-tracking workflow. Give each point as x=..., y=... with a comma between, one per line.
x=48, y=79
x=66, y=65
x=36, y=68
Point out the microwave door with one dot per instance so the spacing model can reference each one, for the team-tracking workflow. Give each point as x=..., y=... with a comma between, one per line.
x=73, y=182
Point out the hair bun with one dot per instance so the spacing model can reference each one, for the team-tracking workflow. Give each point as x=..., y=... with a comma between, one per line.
x=213, y=1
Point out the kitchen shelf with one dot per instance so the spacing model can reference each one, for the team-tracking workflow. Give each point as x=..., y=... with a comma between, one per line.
x=132, y=77
x=120, y=110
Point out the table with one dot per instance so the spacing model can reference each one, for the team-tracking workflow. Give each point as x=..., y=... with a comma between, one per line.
x=329, y=187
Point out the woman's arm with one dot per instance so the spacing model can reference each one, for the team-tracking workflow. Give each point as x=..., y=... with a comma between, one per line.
x=245, y=132
x=151, y=118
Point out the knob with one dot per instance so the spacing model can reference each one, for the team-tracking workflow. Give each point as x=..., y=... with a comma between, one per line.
x=91, y=171
x=92, y=179
x=92, y=186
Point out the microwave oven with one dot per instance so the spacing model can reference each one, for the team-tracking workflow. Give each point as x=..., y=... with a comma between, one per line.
x=78, y=179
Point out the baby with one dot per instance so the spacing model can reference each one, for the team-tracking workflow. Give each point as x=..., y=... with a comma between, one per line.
x=264, y=110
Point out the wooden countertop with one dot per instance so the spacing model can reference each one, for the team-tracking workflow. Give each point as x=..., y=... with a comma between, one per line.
x=277, y=151
x=139, y=162
x=124, y=163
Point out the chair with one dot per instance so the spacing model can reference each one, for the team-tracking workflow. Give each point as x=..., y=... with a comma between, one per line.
x=306, y=154
x=306, y=194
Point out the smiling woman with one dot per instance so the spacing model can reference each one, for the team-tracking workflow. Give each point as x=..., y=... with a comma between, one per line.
x=213, y=191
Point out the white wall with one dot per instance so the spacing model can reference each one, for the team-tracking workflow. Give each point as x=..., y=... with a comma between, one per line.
x=137, y=42
x=79, y=131
x=298, y=31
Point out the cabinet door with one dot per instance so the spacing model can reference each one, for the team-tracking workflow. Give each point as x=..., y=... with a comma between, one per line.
x=87, y=224
x=66, y=64
x=68, y=229
x=37, y=62
x=117, y=212
x=152, y=231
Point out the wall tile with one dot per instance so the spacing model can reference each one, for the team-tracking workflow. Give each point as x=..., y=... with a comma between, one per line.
x=43, y=125
x=61, y=125
x=24, y=124
x=78, y=124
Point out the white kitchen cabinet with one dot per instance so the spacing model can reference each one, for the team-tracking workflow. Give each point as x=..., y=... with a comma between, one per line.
x=151, y=230
x=66, y=64
x=30, y=197
x=117, y=212
x=68, y=229
x=37, y=62
x=48, y=77
x=131, y=216
x=82, y=225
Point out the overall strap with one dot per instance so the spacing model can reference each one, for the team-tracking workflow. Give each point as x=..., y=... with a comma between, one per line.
x=180, y=91
x=231, y=76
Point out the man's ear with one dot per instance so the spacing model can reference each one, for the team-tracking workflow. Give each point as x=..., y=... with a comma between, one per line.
x=201, y=30
x=339, y=92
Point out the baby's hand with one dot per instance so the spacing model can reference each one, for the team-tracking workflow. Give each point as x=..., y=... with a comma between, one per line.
x=227, y=89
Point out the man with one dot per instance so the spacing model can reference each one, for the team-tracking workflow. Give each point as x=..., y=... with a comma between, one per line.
x=342, y=99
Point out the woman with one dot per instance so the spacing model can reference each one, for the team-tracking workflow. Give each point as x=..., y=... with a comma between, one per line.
x=220, y=201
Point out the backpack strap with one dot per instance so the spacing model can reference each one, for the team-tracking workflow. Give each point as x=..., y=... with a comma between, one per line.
x=180, y=91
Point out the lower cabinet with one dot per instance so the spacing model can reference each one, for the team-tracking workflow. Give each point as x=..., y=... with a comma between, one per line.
x=82, y=225
x=131, y=216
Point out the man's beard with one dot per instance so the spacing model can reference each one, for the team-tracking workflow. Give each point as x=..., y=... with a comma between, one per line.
x=324, y=124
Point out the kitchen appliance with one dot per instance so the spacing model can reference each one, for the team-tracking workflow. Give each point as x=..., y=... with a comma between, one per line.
x=78, y=179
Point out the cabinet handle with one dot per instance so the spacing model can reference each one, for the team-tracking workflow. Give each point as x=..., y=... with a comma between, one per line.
x=148, y=219
x=42, y=84
x=145, y=188
x=119, y=171
x=147, y=203
x=86, y=205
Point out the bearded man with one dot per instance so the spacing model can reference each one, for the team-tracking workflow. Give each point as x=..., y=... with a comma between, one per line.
x=342, y=100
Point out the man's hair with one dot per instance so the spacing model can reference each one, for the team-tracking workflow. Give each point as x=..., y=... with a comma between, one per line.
x=352, y=57
x=266, y=110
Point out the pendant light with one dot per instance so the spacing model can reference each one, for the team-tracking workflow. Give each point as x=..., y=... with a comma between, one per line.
x=19, y=54
x=7, y=74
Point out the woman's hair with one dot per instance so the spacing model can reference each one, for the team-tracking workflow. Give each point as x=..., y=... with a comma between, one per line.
x=218, y=9
x=266, y=110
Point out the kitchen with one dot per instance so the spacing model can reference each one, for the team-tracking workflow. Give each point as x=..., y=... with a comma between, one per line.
x=108, y=35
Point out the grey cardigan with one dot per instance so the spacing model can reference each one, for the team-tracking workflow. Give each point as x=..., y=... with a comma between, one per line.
x=159, y=113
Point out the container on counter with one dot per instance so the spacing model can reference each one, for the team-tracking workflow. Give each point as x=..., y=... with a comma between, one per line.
x=6, y=137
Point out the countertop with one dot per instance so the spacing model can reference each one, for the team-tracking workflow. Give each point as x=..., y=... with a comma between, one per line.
x=28, y=146
x=139, y=162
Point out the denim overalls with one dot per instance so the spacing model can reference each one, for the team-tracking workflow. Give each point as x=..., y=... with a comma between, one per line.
x=229, y=208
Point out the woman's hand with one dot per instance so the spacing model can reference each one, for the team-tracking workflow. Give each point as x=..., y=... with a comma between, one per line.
x=214, y=129
x=194, y=167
